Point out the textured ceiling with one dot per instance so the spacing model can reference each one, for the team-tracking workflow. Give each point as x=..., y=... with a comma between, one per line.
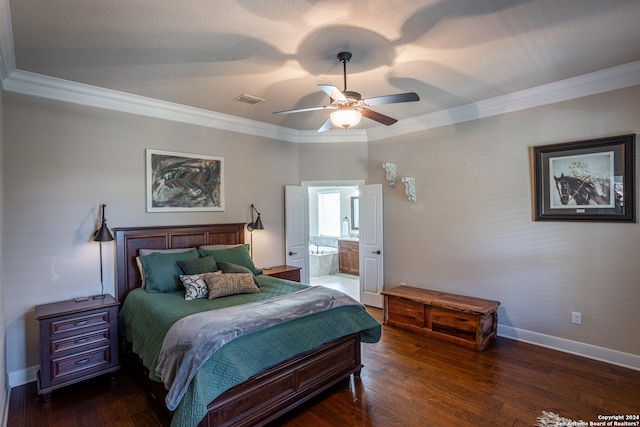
x=204, y=53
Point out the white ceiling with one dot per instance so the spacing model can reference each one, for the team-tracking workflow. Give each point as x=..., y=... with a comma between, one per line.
x=204, y=53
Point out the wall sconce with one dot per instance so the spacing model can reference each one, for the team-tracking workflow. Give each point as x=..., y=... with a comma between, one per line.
x=410, y=188
x=102, y=234
x=391, y=173
x=254, y=225
x=257, y=224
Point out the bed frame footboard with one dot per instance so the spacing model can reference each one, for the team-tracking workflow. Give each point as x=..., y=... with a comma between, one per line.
x=270, y=394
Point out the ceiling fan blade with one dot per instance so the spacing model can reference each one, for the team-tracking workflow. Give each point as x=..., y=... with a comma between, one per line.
x=380, y=118
x=325, y=126
x=302, y=110
x=333, y=92
x=392, y=99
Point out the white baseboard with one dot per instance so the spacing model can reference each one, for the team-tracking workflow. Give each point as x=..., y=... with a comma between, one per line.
x=589, y=351
x=23, y=376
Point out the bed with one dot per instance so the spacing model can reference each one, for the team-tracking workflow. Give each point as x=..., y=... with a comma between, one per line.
x=260, y=389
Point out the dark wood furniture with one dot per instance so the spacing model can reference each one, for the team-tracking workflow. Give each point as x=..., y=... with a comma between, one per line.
x=267, y=395
x=469, y=321
x=78, y=341
x=287, y=272
x=349, y=257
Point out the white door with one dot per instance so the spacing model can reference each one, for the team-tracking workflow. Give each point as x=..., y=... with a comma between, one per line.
x=296, y=201
x=371, y=254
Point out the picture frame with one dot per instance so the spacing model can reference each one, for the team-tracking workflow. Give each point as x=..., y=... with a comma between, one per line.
x=181, y=182
x=592, y=180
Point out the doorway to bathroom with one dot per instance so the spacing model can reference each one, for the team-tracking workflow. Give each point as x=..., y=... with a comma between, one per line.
x=334, y=236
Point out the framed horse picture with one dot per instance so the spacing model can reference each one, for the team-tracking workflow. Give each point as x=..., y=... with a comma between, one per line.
x=586, y=180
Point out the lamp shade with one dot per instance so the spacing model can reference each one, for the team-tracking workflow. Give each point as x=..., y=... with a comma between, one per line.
x=257, y=224
x=345, y=118
x=103, y=234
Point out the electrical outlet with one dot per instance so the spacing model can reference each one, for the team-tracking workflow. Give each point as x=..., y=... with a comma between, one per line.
x=576, y=318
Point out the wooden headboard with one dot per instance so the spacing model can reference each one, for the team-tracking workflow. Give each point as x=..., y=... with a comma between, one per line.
x=130, y=240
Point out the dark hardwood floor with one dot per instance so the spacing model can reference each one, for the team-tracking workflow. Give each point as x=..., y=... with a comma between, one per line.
x=408, y=380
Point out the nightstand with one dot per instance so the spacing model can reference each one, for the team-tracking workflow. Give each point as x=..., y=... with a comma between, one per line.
x=78, y=341
x=288, y=272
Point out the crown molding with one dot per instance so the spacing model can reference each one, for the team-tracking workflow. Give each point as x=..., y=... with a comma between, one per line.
x=54, y=88
x=63, y=90
x=334, y=135
x=606, y=80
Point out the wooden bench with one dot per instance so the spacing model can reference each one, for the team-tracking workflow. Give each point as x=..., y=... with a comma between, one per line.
x=469, y=321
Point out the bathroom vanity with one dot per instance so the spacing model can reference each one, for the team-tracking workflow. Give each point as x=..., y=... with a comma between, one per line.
x=349, y=256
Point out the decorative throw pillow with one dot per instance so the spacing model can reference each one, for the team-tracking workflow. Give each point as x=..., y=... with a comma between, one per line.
x=195, y=286
x=228, y=267
x=143, y=252
x=199, y=265
x=161, y=270
x=220, y=285
x=239, y=255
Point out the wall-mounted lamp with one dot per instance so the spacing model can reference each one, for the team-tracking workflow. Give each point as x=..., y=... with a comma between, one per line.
x=391, y=173
x=257, y=224
x=102, y=234
x=254, y=225
x=410, y=188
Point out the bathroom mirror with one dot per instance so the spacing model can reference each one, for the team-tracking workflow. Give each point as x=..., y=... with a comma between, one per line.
x=355, y=210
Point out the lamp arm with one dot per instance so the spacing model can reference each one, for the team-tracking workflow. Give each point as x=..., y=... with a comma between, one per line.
x=104, y=218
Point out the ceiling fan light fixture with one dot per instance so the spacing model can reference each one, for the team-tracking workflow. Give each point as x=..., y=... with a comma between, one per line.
x=345, y=118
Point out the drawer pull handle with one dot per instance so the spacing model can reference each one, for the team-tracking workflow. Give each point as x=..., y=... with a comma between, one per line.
x=82, y=362
x=81, y=341
x=81, y=323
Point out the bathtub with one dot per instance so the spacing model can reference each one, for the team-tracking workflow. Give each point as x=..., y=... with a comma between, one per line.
x=322, y=250
x=323, y=260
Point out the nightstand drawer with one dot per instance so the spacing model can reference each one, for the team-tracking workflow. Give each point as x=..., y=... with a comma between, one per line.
x=286, y=272
x=78, y=342
x=289, y=275
x=80, y=363
x=77, y=323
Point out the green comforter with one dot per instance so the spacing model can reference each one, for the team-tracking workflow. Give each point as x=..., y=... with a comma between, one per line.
x=145, y=319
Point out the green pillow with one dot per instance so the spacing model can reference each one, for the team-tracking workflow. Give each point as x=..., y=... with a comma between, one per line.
x=228, y=267
x=199, y=265
x=238, y=255
x=161, y=270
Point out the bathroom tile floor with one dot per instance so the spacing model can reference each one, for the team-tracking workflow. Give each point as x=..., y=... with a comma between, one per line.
x=347, y=283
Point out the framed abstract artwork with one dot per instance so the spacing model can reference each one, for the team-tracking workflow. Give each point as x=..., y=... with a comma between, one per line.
x=180, y=182
x=590, y=180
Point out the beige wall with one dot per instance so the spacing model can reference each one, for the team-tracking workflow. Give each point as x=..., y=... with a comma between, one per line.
x=471, y=229
x=62, y=161
x=333, y=161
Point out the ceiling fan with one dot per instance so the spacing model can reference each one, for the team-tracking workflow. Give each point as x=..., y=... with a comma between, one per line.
x=349, y=105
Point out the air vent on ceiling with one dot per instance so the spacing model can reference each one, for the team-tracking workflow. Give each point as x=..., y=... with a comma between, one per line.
x=248, y=99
